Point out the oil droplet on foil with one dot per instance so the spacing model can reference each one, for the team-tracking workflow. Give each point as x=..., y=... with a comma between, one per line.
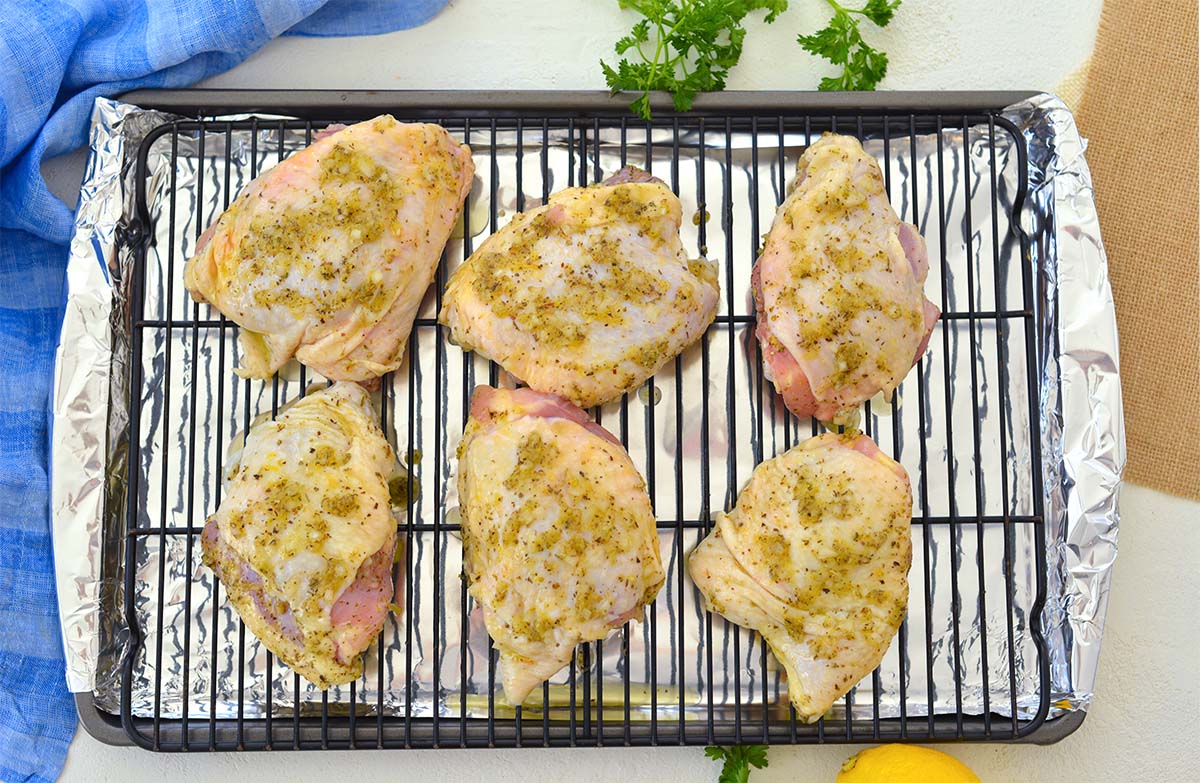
x=453, y=520
x=881, y=404
x=478, y=210
x=650, y=398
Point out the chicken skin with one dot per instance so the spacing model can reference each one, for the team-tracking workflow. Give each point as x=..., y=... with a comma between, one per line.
x=326, y=257
x=838, y=286
x=588, y=295
x=558, y=533
x=303, y=541
x=815, y=557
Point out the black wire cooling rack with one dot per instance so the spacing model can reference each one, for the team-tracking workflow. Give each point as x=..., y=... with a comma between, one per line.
x=645, y=685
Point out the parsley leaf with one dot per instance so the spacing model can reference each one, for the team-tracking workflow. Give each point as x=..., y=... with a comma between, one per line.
x=880, y=11
x=738, y=760
x=841, y=42
x=683, y=47
x=833, y=42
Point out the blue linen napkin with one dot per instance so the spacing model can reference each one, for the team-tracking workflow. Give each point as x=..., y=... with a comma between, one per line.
x=56, y=57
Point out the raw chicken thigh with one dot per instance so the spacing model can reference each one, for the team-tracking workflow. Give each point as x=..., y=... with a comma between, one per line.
x=326, y=256
x=558, y=534
x=841, y=313
x=815, y=557
x=304, y=538
x=588, y=295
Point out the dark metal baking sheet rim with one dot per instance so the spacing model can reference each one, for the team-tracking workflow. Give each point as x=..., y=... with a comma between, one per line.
x=107, y=728
x=338, y=104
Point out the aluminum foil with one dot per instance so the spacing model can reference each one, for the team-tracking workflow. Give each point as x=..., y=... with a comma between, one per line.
x=1083, y=428
x=90, y=342
x=967, y=414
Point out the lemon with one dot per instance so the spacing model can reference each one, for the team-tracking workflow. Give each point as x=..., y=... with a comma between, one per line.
x=904, y=764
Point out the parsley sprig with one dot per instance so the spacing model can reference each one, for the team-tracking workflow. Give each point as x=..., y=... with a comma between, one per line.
x=738, y=761
x=842, y=43
x=683, y=47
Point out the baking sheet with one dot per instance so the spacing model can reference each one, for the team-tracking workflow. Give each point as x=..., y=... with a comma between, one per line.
x=182, y=434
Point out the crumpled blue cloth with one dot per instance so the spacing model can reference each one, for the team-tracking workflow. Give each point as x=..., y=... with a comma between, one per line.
x=56, y=57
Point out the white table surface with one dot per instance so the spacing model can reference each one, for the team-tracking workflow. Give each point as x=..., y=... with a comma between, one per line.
x=1148, y=681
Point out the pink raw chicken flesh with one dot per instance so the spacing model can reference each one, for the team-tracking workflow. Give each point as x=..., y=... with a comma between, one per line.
x=303, y=541
x=326, y=257
x=559, y=538
x=838, y=287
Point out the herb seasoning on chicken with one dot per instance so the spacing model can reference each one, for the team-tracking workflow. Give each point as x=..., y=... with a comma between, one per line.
x=303, y=541
x=326, y=257
x=587, y=296
x=815, y=557
x=841, y=313
x=559, y=537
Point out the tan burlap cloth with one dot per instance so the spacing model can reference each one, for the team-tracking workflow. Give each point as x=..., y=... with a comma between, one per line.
x=1139, y=114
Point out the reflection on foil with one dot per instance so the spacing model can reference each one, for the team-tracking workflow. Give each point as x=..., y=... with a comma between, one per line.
x=1083, y=429
x=963, y=432
x=87, y=464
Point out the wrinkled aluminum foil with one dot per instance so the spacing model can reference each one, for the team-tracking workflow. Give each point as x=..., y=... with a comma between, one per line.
x=1083, y=428
x=93, y=346
x=696, y=430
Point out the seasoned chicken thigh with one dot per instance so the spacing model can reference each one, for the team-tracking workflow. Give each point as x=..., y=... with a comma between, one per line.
x=558, y=534
x=588, y=295
x=304, y=539
x=841, y=313
x=326, y=256
x=815, y=557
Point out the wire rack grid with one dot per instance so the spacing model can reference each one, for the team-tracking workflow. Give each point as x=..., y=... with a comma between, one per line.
x=193, y=679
